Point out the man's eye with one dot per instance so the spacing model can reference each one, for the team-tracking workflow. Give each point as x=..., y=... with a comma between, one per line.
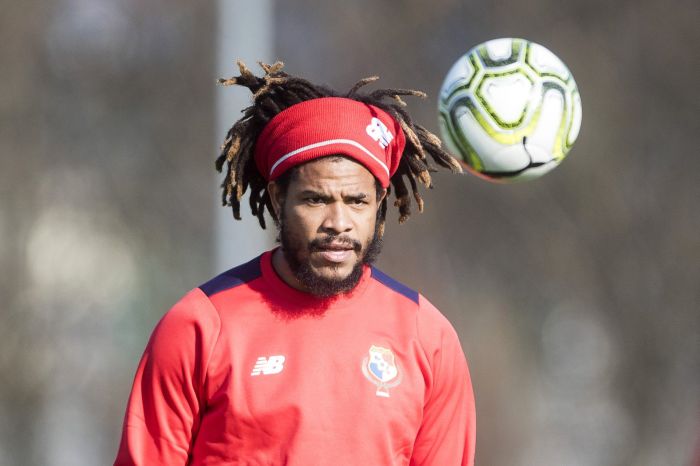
x=314, y=200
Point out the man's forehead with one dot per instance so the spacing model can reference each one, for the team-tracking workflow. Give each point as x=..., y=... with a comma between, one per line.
x=333, y=173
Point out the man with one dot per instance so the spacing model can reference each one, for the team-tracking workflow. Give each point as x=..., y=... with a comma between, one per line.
x=308, y=355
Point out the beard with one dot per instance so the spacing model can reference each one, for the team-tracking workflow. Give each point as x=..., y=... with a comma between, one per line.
x=318, y=285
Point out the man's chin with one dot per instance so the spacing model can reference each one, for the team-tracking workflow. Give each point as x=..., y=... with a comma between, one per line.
x=332, y=274
x=327, y=281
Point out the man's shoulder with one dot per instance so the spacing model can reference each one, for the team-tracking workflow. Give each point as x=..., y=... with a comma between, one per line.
x=431, y=324
x=395, y=286
x=232, y=278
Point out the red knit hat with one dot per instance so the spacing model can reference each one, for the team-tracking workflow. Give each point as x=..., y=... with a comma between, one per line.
x=331, y=126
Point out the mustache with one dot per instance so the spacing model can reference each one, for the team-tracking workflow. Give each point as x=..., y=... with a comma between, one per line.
x=323, y=243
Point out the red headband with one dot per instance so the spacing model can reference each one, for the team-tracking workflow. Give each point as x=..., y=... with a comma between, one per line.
x=330, y=126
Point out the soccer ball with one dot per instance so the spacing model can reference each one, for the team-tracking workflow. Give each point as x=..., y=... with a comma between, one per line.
x=511, y=109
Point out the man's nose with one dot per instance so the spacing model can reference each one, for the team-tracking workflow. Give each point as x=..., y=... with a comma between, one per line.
x=337, y=218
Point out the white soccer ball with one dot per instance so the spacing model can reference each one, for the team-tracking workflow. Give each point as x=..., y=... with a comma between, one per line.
x=511, y=109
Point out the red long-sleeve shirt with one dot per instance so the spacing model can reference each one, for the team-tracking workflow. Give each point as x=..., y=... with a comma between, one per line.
x=246, y=370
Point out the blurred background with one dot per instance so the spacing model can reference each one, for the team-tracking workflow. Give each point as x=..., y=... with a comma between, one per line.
x=576, y=296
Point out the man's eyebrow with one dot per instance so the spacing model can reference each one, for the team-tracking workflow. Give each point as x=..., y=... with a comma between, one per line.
x=356, y=197
x=311, y=192
x=326, y=197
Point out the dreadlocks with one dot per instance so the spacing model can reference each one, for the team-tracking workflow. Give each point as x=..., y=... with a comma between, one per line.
x=276, y=91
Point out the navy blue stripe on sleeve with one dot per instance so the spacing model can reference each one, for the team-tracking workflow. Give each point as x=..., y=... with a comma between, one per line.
x=232, y=278
x=400, y=288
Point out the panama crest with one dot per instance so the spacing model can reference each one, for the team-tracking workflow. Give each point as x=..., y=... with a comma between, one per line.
x=380, y=368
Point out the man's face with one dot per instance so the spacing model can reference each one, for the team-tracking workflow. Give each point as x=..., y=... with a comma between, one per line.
x=327, y=223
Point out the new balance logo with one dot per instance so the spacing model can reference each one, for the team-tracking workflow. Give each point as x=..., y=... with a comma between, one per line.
x=379, y=132
x=267, y=366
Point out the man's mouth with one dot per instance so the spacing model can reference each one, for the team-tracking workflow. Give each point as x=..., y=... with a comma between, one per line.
x=336, y=256
x=336, y=251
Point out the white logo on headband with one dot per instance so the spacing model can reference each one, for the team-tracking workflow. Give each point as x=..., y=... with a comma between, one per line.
x=379, y=132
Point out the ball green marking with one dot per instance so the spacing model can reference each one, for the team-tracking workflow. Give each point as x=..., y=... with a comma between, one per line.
x=571, y=107
x=469, y=154
x=479, y=95
x=528, y=61
x=515, y=48
x=465, y=87
x=559, y=150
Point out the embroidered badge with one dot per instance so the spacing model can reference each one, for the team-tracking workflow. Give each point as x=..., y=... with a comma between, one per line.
x=379, y=132
x=380, y=368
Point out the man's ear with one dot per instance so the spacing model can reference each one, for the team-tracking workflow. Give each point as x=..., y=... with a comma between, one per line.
x=276, y=197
